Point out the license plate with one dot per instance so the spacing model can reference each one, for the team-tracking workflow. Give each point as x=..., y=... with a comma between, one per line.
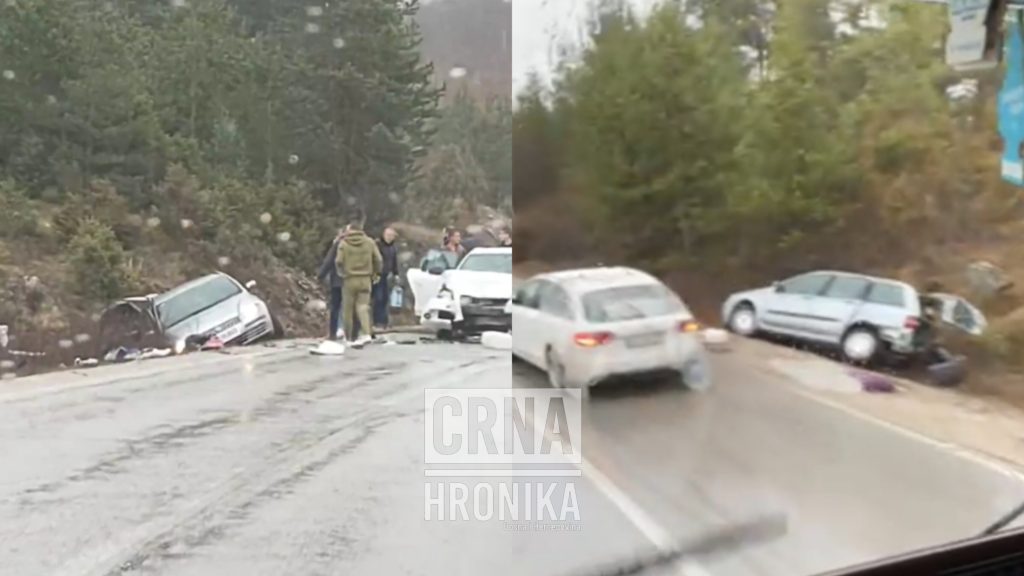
x=645, y=340
x=230, y=333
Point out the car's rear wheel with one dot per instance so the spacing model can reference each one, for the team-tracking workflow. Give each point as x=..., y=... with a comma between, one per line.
x=860, y=345
x=743, y=320
x=555, y=369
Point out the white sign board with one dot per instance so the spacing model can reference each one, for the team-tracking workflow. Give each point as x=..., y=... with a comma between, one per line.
x=968, y=46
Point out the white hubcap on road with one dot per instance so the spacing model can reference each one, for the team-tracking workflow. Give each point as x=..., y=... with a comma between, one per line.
x=743, y=321
x=859, y=346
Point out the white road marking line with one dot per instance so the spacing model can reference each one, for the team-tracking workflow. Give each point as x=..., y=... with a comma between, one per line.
x=636, y=515
x=956, y=449
x=639, y=518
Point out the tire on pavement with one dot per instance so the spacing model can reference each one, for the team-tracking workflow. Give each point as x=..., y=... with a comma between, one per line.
x=743, y=320
x=860, y=345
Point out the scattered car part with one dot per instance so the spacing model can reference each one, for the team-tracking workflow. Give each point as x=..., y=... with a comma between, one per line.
x=496, y=340
x=328, y=348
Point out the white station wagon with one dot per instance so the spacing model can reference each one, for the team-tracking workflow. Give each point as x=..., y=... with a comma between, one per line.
x=585, y=327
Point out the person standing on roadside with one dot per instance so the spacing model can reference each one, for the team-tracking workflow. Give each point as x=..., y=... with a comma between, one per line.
x=329, y=271
x=388, y=278
x=360, y=265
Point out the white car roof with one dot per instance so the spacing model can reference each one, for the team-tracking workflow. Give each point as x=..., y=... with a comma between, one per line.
x=582, y=280
x=494, y=250
x=859, y=275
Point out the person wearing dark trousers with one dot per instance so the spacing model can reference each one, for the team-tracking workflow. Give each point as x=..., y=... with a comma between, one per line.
x=388, y=278
x=329, y=271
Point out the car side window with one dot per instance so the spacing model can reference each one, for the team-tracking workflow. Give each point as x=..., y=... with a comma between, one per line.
x=554, y=301
x=886, y=294
x=848, y=288
x=527, y=295
x=805, y=284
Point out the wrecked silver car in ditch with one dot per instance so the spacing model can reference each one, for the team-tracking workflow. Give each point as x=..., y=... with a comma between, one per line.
x=214, y=306
x=865, y=317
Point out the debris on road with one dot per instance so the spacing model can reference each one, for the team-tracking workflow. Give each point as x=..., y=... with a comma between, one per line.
x=497, y=340
x=328, y=348
x=874, y=382
x=947, y=370
x=716, y=339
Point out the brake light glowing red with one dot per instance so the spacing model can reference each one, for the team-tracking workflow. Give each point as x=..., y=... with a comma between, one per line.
x=911, y=323
x=689, y=326
x=592, y=339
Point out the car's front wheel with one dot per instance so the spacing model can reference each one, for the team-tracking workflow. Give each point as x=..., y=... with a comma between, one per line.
x=860, y=345
x=743, y=320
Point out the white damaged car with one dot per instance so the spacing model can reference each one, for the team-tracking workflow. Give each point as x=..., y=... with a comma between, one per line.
x=471, y=298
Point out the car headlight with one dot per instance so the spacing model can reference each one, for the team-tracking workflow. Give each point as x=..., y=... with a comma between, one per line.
x=248, y=311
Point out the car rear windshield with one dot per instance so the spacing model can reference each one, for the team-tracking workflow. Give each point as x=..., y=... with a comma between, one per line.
x=630, y=303
x=190, y=302
x=501, y=263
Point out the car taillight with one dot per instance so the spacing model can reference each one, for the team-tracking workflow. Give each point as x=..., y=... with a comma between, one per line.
x=911, y=323
x=689, y=326
x=592, y=339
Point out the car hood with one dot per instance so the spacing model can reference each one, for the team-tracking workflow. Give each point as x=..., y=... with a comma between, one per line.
x=480, y=284
x=754, y=295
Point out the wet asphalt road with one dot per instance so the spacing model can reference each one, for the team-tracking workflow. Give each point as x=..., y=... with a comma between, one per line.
x=272, y=461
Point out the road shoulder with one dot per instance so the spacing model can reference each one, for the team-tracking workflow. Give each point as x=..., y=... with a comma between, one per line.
x=985, y=427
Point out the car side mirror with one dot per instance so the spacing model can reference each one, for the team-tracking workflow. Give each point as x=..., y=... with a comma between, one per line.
x=250, y=284
x=436, y=270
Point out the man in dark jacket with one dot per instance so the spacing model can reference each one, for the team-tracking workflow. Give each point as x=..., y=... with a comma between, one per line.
x=359, y=264
x=329, y=270
x=388, y=277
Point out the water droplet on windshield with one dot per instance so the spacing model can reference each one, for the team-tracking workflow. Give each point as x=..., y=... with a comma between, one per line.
x=457, y=72
x=223, y=261
x=339, y=43
x=314, y=11
x=179, y=3
x=351, y=200
x=186, y=223
x=65, y=343
x=153, y=222
x=293, y=159
x=284, y=236
x=395, y=197
x=266, y=218
x=51, y=99
x=8, y=74
x=82, y=338
x=312, y=28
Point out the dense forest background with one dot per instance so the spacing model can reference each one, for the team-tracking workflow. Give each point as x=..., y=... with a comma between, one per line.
x=725, y=143
x=144, y=142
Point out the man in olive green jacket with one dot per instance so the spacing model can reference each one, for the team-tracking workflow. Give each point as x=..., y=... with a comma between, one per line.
x=360, y=265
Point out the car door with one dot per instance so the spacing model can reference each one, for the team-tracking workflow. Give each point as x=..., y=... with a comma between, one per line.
x=425, y=282
x=837, y=305
x=555, y=322
x=790, y=308
x=960, y=313
x=525, y=319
